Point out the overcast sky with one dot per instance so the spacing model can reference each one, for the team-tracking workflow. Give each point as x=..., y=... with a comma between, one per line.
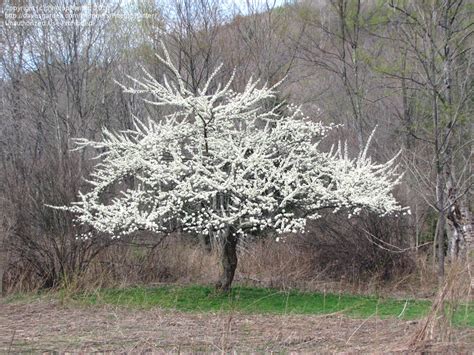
x=259, y=3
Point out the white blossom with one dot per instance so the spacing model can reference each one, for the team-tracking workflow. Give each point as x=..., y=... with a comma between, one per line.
x=223, y=158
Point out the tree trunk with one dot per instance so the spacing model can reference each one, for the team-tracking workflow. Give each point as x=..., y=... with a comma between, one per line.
x=467, y=233
x=461, y=221
x=440, y=238
x=3, y=263
x=205, y=241
x=229, y=261
x=1, y=273
x=454, y=241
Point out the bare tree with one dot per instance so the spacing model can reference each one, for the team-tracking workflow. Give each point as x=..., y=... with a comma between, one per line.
x=193, y=28
x=331, y=39
x=56, y=84
x=436, y=38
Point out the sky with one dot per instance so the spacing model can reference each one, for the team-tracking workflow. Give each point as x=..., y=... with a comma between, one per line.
x=242, y=4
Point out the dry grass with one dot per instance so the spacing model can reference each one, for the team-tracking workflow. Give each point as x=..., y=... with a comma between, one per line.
x=267, y=263
x=453, y=293
x=174, y=259
x=335, y=256
x=291, y=265
x=45, y=325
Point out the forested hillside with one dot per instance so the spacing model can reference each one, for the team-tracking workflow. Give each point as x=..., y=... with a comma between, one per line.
x=248, y=175
x=403, y=68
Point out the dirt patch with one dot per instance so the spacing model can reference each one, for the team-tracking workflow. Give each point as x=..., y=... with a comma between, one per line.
x=43, y=325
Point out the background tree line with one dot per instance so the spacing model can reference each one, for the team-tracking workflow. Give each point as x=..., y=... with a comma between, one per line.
x=404, y=67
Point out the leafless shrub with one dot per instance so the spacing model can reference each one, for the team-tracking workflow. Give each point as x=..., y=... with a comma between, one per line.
x=42, y=243
x=151, y=259
x=361, y=246
x=280, y=264
x=332, y=256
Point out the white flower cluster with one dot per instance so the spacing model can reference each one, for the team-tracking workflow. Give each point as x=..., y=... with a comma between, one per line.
x=224, y=160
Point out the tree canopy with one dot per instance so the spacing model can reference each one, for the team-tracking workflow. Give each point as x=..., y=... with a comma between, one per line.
x=226, y=159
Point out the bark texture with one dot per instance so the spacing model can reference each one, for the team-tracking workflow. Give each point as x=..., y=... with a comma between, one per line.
x=229, y=261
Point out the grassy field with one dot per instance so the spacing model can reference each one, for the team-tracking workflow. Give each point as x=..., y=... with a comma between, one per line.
x=268, y=301
x=196, y=319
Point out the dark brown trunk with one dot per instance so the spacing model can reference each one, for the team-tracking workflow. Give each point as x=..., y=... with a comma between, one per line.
x=229, y=261
x=441, y=240
x=3, y=261
x=205, y=241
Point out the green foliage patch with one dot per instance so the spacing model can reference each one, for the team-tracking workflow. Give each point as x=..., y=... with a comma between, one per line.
x=270, y=301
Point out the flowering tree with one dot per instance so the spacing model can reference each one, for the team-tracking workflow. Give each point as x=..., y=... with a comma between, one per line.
x=225, y=164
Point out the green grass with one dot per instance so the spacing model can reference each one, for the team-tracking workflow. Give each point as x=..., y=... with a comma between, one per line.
x=263, y=300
